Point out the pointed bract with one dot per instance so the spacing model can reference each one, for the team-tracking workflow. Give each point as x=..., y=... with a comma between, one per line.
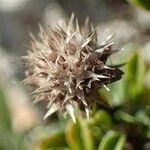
x=65, y=65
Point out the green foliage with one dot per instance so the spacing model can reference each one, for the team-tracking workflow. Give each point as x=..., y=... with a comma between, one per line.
x=78, y=135
x=141, y=3
x=8, y=138
x=135, y=75
x=101, y=119
x=129, y=98
x=123, y=121
x=52, y=141
x=112, y=141
x=131, y=87
x=11, y=140
x=5, y=121
x=81, y=135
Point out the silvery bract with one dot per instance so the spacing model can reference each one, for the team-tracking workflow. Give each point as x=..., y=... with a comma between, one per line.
x=66, y=66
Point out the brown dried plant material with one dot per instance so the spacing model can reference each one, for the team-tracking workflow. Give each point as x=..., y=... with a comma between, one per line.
x=66, y=66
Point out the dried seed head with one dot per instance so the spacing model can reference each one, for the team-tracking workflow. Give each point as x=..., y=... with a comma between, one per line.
x=66, y=66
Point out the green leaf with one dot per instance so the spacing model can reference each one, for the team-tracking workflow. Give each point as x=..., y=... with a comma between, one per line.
x=100, y=123
x=123, y=116
x=135, y=75
x=5, y=120
x=117, y=93
x=131, y=86
x=141, y=3
x=11, y=141
x=54, y=141
x=78, y=135
x=143, y=117
x=112, y=141
x=101, y=119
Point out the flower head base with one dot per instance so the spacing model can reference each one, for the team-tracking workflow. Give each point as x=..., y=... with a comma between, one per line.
x=66, y=66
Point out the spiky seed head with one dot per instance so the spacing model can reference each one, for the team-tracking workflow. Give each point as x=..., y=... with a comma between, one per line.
x=66, y=66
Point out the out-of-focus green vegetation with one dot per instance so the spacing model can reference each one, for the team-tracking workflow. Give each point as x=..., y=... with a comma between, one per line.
x=5, y=124
x=125, y=125
x=122, y=123
x=141, y=3
x=8, y=138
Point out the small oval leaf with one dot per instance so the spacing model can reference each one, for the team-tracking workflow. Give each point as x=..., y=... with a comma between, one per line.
x=112, y=141
x=78, y=135
x=54, y=141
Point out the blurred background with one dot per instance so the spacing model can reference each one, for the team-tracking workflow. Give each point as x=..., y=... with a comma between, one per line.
x=130, y=24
